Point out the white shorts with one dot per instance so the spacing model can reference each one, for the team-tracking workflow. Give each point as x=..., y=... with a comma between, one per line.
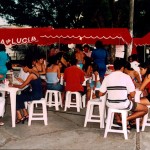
x=126, y=105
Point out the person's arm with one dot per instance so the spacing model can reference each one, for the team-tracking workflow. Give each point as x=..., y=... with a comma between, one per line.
x=1, y=76
x=103, y=88
x=144, y=83
x=43, y=69
x=101, y=94
x=26, y=82
x=95, y=74
x=58, y=72
x=88, y=72
x=137, y=76
x=131, y=95
x=20, y=80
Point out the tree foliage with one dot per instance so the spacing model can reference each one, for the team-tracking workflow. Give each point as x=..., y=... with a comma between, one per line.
x=76, y=13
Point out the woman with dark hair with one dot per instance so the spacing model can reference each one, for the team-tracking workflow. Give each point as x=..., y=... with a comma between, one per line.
x=3, y=60
x=145, y=72
x=133, y=74
x=99, y=56
x=94, y=83
x=87, y=66
x=34, y=81
x=53, y=75
x=39, y=65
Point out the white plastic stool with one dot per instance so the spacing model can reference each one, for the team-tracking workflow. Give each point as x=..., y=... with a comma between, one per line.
x=83, y=98
x=77, y=102
x=137, y=99
x=57, y=98
x=93, y=92
x=146, y=119
x=89, y=112
x=109, y=122
x=37, y=116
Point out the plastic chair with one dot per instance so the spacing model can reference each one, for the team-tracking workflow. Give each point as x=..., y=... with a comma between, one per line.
x=90, y=117
x=93, y=92
x=37, y=116
x=76, y=103
x=137, y=99
x=146, y=119
x=83, y=99
x=109, y=122
x=57, y=101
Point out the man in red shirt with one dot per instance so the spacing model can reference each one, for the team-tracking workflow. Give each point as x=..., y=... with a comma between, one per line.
x=74, y=78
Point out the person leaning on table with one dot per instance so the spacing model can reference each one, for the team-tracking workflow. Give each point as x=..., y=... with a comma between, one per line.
x=34, y=81
x=118, y=85
x=145, y=86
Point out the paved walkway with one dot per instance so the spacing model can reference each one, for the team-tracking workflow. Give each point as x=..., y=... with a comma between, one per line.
x=65, y=131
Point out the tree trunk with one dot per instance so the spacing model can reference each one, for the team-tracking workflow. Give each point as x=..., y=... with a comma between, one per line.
x=131, y=25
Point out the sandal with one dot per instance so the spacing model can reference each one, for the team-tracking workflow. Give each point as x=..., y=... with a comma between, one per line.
x=1, y=123
x=26, y=117
x=133, y=125
x=119, y=124
x=20, y=120
x=129, y=127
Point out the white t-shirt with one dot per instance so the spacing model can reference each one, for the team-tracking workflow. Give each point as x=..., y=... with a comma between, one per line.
x=23, y=75
x=124, y=85
x=135, y=66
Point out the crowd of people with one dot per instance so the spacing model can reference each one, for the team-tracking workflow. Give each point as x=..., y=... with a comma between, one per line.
x=65, y=72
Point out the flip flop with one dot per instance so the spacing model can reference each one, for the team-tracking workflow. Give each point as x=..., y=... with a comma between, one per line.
x=1, y=123
x=119, y=124
x=129, y=127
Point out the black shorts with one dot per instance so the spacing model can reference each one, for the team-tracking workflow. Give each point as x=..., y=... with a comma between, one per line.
x=148, y=97
x=134, y=106
x=83, y=92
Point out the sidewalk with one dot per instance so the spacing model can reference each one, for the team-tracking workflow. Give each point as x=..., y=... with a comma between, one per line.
x=65, y=131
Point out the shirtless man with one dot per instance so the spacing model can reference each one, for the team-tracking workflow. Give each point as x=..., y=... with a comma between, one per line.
x=79, y=55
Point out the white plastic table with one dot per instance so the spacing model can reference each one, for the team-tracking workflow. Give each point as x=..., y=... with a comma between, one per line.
x=13, y=92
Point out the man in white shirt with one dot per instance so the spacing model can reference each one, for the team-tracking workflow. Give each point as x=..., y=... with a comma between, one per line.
x=118, y=85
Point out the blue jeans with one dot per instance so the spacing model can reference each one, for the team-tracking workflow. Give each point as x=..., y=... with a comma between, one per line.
x=55, y=86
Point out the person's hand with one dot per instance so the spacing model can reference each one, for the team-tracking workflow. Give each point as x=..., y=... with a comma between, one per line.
x=10, y=85
x=1, y=76
x=94, y=88
x=137, y=85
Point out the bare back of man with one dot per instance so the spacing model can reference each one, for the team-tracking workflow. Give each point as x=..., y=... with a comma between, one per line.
x=80, y=56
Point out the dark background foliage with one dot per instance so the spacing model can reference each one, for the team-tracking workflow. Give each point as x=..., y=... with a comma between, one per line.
x=77, y=13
